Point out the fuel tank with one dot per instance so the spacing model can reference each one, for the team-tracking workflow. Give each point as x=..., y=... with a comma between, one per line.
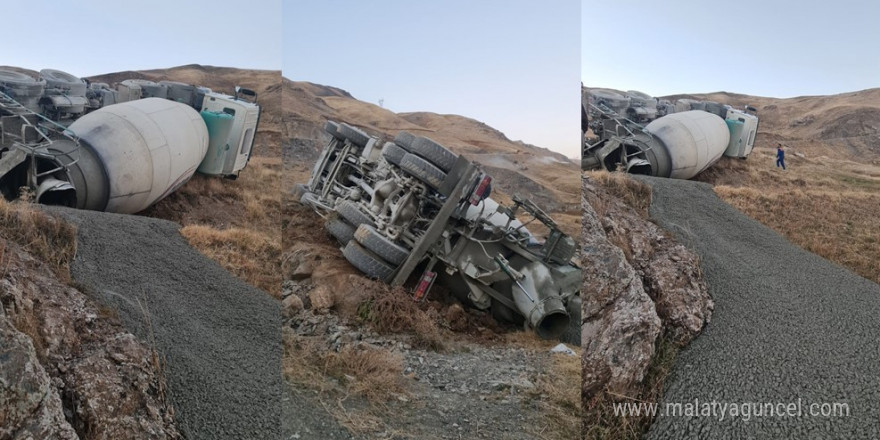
x=135, y=153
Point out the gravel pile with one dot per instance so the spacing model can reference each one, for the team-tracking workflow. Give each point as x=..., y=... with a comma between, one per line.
x=221, y=338
x=788, y=325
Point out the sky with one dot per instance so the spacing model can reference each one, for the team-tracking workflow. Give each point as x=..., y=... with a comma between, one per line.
x=90, y=37
x=513, y=64
x=778, y=48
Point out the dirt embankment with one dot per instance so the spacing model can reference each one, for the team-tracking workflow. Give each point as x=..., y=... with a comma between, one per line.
x=363, y=360
x=69, y=369
x=644, y=297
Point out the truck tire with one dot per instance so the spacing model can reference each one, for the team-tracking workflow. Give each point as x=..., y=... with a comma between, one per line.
x=340, y=230
x=435, y=153
x=393, y=153
x=404, y=139
x=354, y=135
x=308, y=199
x=333, y=129
x=352, y=214
x=298, y=191
x=367, y=262
x=371, y=239
x=572, y=335
x=423, y=170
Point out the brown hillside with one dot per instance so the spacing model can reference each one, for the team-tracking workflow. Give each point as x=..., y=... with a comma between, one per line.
x=547, y=177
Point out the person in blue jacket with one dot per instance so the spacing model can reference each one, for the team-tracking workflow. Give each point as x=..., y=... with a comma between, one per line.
x=780, y=157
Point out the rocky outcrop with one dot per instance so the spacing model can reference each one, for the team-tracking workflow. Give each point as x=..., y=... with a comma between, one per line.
x=30, y=407
x=639, y=283
x=620, y=323
x=107, y=381
x=670, y=272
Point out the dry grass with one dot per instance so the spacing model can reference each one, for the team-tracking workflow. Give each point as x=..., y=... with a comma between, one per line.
x=393, y=310
x=632, y=192
x=600, y=422
x=235, y=222
x=559, y=400
x=246, y=253
x=828, y=207
x=46, y=237
x=373, y=373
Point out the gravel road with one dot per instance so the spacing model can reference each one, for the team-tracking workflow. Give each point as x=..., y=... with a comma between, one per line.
x=221, y=338
x=788, y=325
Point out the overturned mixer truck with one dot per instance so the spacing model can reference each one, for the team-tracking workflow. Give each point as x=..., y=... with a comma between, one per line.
x=90, y=146
x=413, y=207
x=680, y=140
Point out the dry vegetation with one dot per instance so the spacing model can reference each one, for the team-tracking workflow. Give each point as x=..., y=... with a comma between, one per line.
x=600, y=422
x=372, y=373
x=826, y=206
x=632, y=192
x=46, y=237
x=234, y=222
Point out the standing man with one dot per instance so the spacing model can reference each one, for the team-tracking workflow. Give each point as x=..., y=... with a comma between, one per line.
x=780, y=157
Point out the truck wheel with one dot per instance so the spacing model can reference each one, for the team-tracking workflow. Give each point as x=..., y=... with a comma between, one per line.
x=298, y=191
x=340, y=230
x=308, y=199
x=572, y=335
x=367, y=262
x=404, y=139
x=354, y=135
x=393, y=153
x=371, y=239
x=351, y=213
x=435, y=153
x=423, y=170
x=332, y=128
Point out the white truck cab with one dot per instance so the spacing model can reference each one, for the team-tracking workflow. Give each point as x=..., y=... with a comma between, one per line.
x=230, y=157
x=743, y=128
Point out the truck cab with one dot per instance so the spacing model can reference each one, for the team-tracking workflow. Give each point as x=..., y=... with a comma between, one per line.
x=228, y=156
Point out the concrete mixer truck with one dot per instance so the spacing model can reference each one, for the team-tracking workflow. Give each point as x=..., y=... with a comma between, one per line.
x=687, y=138
x=411, y=207
x=92, y=147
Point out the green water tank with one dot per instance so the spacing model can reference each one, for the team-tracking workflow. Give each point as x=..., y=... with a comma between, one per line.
x=220, y=155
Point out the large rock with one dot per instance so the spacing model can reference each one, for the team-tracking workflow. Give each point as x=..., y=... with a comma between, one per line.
x=620, y=325
x=669, y=271
x=108, y=379
x=30, y=407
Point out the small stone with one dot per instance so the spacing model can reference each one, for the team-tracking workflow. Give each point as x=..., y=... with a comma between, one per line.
x=303, y=270
x=321, y=298
x=291, y=306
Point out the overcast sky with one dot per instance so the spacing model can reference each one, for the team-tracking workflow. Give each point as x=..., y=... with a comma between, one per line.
x=512, y=64
x=778, y=48
x=89, y=37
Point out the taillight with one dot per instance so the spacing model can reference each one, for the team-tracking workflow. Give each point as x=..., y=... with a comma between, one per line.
x=482, y=191
x=424, y=284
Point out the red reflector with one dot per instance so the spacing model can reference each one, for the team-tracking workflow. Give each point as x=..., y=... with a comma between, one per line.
x=424, y=285
x=482, y=190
